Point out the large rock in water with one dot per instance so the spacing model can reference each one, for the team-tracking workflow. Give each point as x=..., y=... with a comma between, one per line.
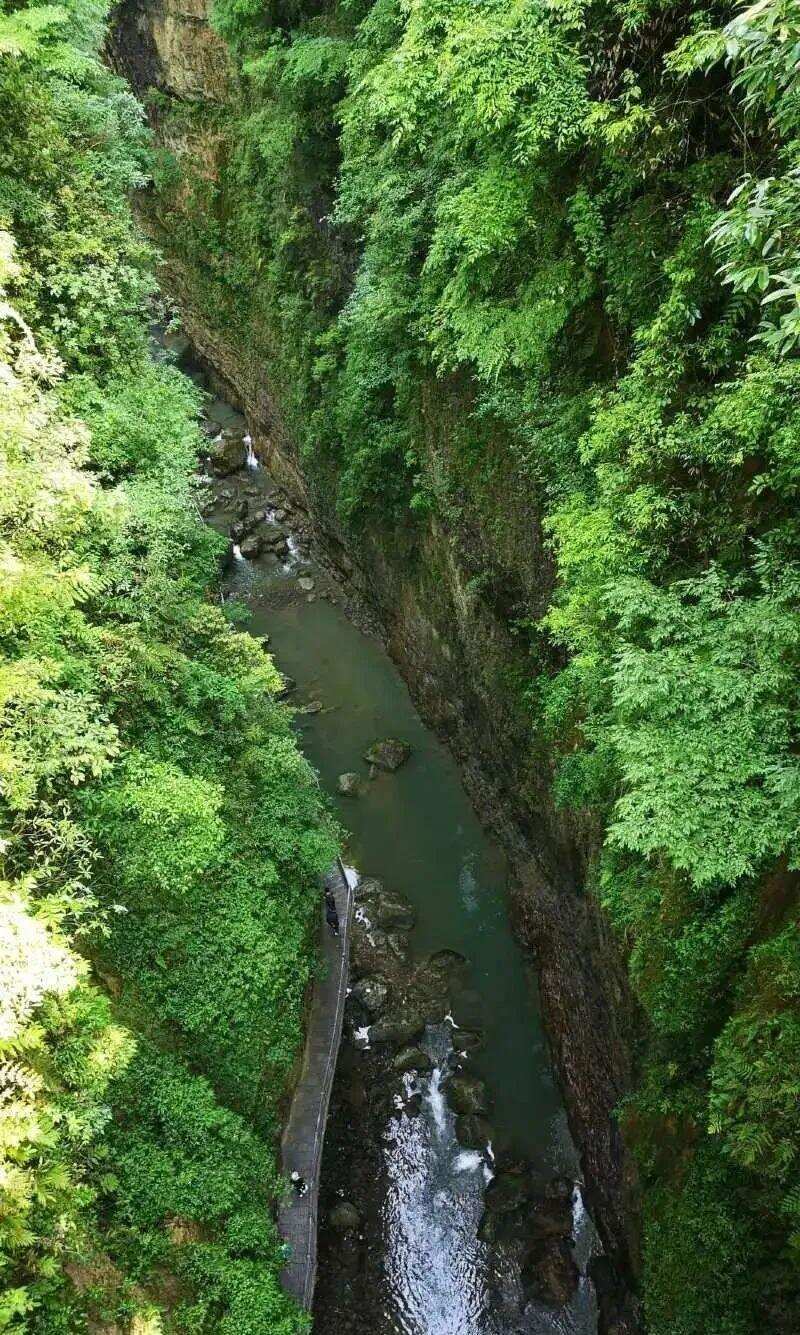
x=473, y=1132
x=550, y=1273
x=349, y=784
x=506, y=1192
x=227, y=454
x=394, y=910
x=466, y=1094
x=389, y=754
x=251, y=547
x=372, y=993
x=411, y=1059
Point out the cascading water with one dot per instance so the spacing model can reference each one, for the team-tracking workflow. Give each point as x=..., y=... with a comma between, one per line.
x=251, y=459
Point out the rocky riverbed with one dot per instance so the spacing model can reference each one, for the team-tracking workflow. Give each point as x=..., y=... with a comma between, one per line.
x=432, y=1220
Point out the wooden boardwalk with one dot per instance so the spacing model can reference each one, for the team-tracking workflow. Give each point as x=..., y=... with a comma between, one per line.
x=304, y=1133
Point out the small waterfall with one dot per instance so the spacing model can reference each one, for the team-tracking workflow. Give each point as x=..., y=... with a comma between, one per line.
x=237, y=552
x=293, y=553
x=250, y=459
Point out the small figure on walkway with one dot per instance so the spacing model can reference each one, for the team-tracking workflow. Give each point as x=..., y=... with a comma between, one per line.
x=331, y=915
x=299, y=1183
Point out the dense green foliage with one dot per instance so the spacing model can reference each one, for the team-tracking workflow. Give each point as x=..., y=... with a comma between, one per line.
x=581, y=223
x=161, y=837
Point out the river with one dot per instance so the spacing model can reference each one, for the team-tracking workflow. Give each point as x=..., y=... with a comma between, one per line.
x=432, y=1272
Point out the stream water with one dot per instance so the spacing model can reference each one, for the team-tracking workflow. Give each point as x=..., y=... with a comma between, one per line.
x=416, y=830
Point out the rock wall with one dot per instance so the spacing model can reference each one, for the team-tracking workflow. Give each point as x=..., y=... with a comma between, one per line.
x=445, y=595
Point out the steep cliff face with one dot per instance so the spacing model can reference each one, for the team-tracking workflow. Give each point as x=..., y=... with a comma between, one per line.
x=450, y=592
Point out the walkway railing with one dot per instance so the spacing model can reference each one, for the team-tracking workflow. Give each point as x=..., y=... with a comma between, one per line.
x=304, y=1134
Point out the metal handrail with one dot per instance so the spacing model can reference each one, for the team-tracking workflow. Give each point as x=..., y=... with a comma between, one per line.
x=299, y=1275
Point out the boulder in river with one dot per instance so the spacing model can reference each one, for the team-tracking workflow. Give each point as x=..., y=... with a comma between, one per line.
x=226, y=454
x=349, y=785
x=312, y=707
x=392, y=910
x=466, y=1094
x=551, y=1217
x=344, y=1216
x=306, y=583
x=369, y=886
x=372, y=992
x=251, y=546
x=506, y=1192
x=411, y=1059
x=549, y=1273
x=388, y=754
x=402, y=1027
x=473, y=1131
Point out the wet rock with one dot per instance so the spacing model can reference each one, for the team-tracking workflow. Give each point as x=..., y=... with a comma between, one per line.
x=400, y=1028
x=280, y=515
x=344, y=1216
x=238, y=531
x=369, y=886
x=411, y=1059
x=251, y=546
x=306, y=583
x=472, y=1131
x=242, y=509
x=312, y=598
x=313, y=707
x=349, y=785
x=559, y=1188
x=497, y=1227
x=398, y=944
x=371, y=951
x=226, y=455
x=373, y=993
x=394, y=910
x=288, y=684
x=389, y=754
x=552, y=1217
x=549, y=1273
x=506, y=1192
x=466, y=1094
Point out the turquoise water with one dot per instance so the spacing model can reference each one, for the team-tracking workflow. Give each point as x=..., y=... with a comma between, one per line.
x=417, y=831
